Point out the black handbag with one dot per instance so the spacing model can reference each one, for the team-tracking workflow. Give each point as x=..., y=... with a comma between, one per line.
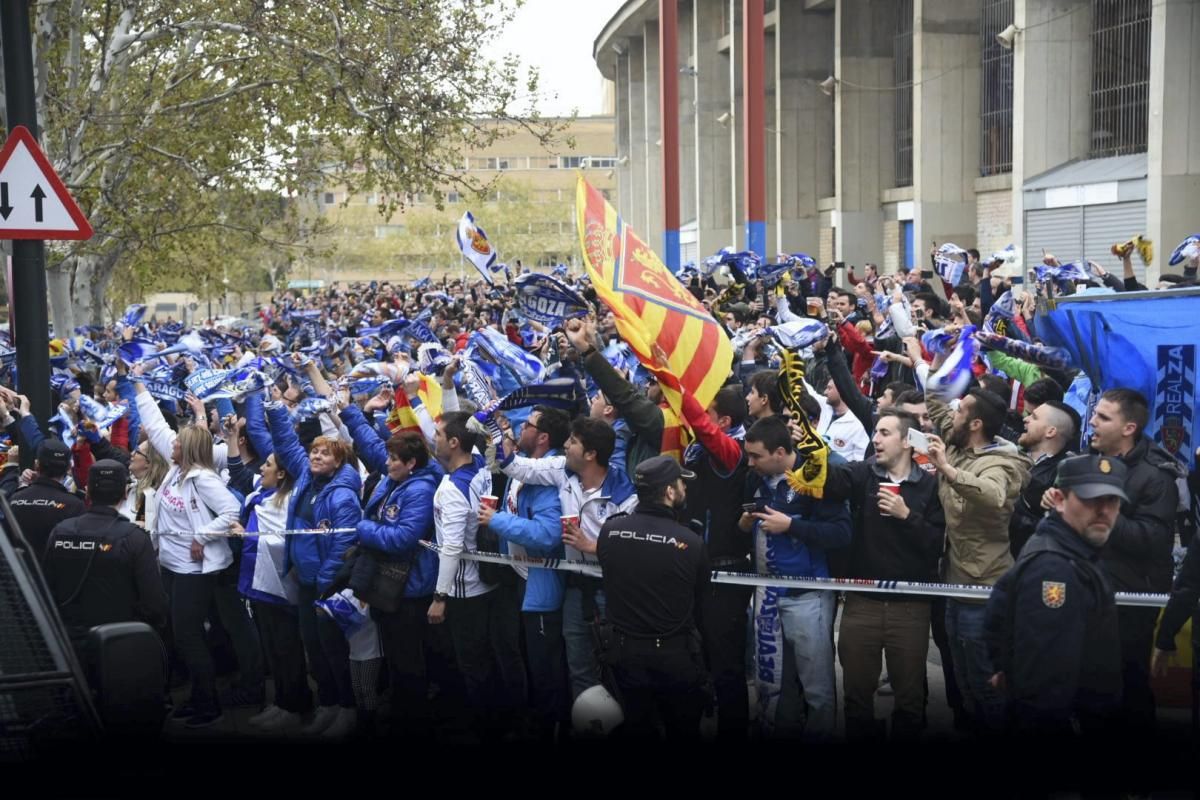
x=378, y=579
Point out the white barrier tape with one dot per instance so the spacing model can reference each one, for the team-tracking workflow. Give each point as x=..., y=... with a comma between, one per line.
x=821, y=584
x=232, y=535
x=735, y=578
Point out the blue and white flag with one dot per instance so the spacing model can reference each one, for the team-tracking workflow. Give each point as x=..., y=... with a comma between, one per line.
x=134, y=313
x=207, y=384
x=1001, y=317
x=936, y=341
x=952, y=380
x=1071, y=271
x=475, y=247
x=1188, y=249
x=432, y=358
x=421, y=283
x=476, y=385
x=64, y=384
x=564, y=393
x=548, y=301
x=524, y=367
x=162, y=389
x=950, y=261
x=1008, y=255
x=369, y=385
x=799, y=334
x=743, y=265
x=102, y=416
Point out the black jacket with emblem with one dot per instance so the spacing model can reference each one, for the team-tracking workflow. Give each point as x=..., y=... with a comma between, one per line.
x=39, y=507
x=1051, y=628
x=1138, y=554
x=101, y=568
x=654, y=570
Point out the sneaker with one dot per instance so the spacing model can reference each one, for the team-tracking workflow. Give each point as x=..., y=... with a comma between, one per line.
x=182, y=712
x=203, y=720
x=282, y=723
x=344, y=725
x=265, y=715
x=322, y=719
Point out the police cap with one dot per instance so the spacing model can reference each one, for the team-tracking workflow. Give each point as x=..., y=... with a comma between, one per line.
x=1091, y=476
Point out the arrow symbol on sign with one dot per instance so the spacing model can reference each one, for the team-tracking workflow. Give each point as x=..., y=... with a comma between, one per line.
x=5, y=208
x=38, y=195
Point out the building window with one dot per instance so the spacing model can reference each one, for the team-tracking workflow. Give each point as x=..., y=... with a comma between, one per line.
x=386, y=231
x=1120, y=76
x=599, y=162
x=330, y=198
x=570, y=162
x=451, y=197
x=502, y=163
x=902, y=57
x=995, y=90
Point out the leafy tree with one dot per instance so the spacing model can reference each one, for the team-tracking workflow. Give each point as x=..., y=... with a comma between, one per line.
x=171, y=121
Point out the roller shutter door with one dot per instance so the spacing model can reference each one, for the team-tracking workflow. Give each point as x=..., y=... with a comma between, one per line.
x=1057, y=230
x=1105, y=225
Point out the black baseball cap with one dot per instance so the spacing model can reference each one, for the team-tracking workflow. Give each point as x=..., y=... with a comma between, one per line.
x=54, y=454
x=659, y=471
x=107, y=478
x=1093, y=476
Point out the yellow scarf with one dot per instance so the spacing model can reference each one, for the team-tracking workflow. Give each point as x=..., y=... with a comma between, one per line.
x=809, y=478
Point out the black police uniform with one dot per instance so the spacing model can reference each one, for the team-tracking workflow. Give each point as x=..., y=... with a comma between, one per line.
x=101, y=568
x=1051, y=628
x=654, y=571
x=39, y=507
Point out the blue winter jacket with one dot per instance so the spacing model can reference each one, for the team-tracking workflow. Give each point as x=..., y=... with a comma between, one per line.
x=398, y=518
x=256, y=426
x=537, y=527
x=817, y=526
x=316, y=557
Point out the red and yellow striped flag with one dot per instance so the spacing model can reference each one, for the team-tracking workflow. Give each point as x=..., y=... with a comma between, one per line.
x=652, y=307
x=402, y=417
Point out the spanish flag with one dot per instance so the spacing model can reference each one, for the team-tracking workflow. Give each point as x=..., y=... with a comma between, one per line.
x=652, y=307
x=402, y=417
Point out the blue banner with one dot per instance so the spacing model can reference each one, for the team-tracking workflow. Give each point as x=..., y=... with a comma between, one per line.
x=1140, y=341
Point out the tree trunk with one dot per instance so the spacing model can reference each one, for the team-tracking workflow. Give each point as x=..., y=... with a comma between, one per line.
x=92, y=275
x=58, y=284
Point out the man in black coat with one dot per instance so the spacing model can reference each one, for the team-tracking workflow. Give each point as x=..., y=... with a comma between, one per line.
x=46, y=502
x=1049, y=430
x=1051, y=626
x=1138, y=555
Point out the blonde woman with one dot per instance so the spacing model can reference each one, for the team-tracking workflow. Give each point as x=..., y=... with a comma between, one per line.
x=192, y=498
x=148, y=470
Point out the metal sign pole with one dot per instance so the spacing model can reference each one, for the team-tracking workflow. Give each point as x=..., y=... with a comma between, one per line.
x=31, y=327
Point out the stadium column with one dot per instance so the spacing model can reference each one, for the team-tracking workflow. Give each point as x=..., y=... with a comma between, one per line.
x=1052, y=73
x=754, y=133
x=668, y=82
x=32, y=324
x=1173, y=182
x=864, y=129
x=945, y=122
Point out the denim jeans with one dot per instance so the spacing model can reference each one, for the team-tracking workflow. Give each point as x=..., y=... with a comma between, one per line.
x=807, y=621
x=577, y=633
x=973, y=666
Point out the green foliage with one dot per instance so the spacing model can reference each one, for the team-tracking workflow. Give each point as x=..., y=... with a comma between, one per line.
x=177, y=125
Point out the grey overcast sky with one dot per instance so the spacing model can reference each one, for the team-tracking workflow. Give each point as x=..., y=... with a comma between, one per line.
x=555, y=37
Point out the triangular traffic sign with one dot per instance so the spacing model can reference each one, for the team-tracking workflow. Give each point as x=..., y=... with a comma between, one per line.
x=34, y=204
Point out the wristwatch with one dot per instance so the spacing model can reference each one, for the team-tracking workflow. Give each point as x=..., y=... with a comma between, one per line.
x=440, y=597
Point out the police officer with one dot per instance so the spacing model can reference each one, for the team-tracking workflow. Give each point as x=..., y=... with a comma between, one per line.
x=1052, y=619
x=46, y=502
x=101, y=568
x=655, y=571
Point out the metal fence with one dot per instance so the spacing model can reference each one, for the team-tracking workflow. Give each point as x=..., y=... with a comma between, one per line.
x=902, y=56
x=43, y=705
x=995, y=90
x=1120, y=76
